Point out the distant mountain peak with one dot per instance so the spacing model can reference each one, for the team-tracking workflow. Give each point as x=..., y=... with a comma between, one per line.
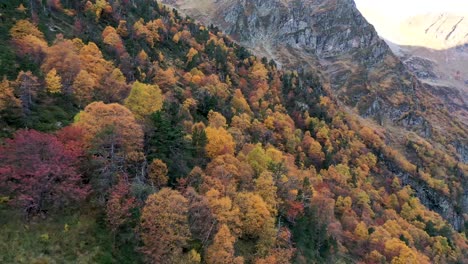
x=438, y=31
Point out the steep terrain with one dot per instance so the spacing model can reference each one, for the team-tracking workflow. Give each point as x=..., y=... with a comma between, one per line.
x=132, y=134
x=332, y=38
x=334, y=41
x=444, y=71
x=433, y=46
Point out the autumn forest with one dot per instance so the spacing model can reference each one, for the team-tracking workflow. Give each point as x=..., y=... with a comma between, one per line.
x=130, y=133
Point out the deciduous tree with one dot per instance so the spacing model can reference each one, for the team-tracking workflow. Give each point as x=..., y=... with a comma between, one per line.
x=39, y=172
x=144, y=99
x=266, y=188
x=28, y=86
x=97, y=116
x=157, y=173
x=83, y=88
x=254, y=213
x=119, y=206
x=165, y=79
x=53, y=82
x=29, y=40
x=63, y=57
x=219, y=142
x=222, y=250
x=10, y=106
x=164, y=226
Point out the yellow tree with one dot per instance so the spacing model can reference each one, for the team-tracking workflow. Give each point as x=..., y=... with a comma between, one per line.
x=164, y=226
x=313, y=149
x=219, y=142
x=122, y=29
x=141, y=31
x=112, y=38
x=239, y=103
x=258, y=159
x=254, y=213
x=165, y=79
x=53, y=82
x=23, y=28
x=144, y=99
x=223, y=210
x=97, y=117
x=192, y=53
x=93, y=61
x=216, y=120
x=28, y=40
x=361, y=231
x=157, y=173
x=8, y=101
x=83, y=88
x=266, y=188
x=222, y=249
x=10, y=106
x=258, y=71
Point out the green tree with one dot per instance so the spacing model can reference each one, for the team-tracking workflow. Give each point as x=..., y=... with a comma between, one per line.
x=312, y=239
x=168, y=144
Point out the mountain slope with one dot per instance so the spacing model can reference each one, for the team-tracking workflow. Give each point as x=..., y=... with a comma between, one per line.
x=183, y=147
x=333, y=38
x=334, y=41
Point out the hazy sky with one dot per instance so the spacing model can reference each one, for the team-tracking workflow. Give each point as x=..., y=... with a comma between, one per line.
x=405, y=8
x=390, y=16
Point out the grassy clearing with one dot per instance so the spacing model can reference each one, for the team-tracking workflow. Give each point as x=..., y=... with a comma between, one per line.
x=71, y=238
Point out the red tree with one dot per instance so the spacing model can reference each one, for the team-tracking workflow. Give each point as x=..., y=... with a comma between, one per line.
x=39, y=172
x=119, y=206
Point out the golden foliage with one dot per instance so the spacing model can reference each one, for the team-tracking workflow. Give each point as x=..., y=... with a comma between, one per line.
x=53, y=82
x=157, y=173
x=144, y=99
x=165, y=79
x=97, y=117
x=216, y=120
x=254, y=214
x=164, y=226
x=83, y=87
x=222, y=249
x=8, y=101
x=361, y=231
x=219, y=142
x=192, y=53
x=266, y=188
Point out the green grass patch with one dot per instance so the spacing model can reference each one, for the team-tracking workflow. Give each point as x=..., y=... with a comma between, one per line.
x=69, y=238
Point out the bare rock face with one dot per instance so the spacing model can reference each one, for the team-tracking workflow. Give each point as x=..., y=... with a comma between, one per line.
x=333, y=39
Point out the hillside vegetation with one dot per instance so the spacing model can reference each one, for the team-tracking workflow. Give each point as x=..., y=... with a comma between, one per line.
x=131, y=134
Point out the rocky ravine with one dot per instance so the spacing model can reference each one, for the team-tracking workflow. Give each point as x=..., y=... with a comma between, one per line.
x=332, y=38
